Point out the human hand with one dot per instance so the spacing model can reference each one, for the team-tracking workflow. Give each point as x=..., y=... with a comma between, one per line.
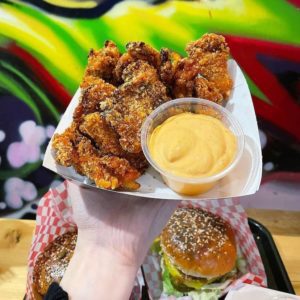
x=123, y=225
x=114, y=234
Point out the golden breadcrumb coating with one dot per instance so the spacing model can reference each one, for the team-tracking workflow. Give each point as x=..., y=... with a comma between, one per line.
x=207, y=90
x=137, y=51
x=63, y=146
x=213, y=53
x=168, y=66
x=95, y=126
x=95, y=95
x=142, y=51
x=102, y=63
x=137, y=160
x=134, y=101
x=123, y=62
x=109, y=172
x=207, y=57
x=120, y=91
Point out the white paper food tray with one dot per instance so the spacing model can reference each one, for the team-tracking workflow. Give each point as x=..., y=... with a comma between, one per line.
x=249, y=292
x=243, y=180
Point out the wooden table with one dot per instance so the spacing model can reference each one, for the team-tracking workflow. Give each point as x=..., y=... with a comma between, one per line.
x=15, y=240
x=16, y=235
x=285, y=229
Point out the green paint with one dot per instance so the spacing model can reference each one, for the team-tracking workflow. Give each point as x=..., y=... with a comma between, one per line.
x=253, y=18
x=4, y=40
x=255, y=90
x=57, y=28
x=40, y=95
x=21, y=172
x=13, y=87
x=185, y=21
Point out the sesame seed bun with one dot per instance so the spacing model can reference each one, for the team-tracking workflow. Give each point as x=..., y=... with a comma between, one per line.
x=51, y=264
x=199, y=243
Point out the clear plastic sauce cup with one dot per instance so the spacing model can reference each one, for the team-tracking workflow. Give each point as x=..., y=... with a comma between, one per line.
x=186, y=185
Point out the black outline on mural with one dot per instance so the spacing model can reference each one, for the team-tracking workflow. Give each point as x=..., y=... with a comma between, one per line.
x=78, y=13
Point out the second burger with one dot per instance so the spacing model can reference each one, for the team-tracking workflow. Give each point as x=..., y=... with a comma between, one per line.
x=198, y=252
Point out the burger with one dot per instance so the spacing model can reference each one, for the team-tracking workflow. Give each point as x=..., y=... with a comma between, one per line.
x=52, y=263
x=198, y=252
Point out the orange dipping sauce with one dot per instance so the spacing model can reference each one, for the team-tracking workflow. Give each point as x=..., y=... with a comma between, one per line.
x=192, y=146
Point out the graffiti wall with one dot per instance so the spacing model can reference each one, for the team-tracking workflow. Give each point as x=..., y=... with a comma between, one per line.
x=43, y=52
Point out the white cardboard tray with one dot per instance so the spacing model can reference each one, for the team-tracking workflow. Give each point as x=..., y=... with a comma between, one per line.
x=243, y=180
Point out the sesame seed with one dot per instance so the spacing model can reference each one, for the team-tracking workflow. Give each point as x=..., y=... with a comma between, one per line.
x=194, y=231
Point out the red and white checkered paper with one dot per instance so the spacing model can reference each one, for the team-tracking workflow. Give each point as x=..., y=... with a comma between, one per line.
x=231, y=211
x=54, y=218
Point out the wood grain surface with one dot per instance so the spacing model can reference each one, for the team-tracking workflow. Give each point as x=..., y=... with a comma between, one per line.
x=277, y=221
x=15, y=240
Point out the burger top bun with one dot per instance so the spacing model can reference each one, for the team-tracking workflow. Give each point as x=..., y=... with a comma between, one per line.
x=51, y=264
x=199, y=243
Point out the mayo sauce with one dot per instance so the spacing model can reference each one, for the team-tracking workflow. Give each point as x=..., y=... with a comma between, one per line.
x=192, y=145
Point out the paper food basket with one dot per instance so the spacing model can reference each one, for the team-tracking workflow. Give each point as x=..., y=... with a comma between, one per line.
x=231, y=211
x=54, y=218
x=243, y=180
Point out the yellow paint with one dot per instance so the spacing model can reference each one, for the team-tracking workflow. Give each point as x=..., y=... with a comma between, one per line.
x=73, y=3
x=244, y=8
x=192, y=146
x=44, y=41
x=83, y=37
x=134, y=18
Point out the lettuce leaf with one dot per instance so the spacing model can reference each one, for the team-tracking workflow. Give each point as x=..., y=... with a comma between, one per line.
x=205, y=294
x=155, y=247
x=211, y=291
x=168, y=288
x=241, y=264
x=208, y=292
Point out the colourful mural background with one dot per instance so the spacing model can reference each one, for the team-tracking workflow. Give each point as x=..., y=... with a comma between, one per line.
x=43, y=52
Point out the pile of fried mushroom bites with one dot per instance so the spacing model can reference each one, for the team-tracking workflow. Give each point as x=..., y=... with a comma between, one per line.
x=120, y=90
